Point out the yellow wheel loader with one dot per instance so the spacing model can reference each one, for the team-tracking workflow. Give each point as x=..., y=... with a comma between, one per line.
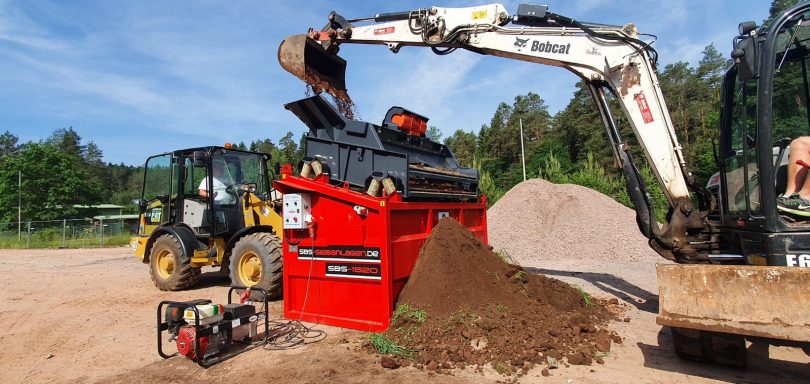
x=211, y=206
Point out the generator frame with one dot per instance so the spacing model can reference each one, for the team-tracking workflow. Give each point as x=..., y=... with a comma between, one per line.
x=202, y=330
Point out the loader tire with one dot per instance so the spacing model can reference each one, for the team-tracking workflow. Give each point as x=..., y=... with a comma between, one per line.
x=709, y=347
x=256, y=261
x=170, y=269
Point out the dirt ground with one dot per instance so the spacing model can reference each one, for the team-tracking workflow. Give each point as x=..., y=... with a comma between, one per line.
x=88, y=315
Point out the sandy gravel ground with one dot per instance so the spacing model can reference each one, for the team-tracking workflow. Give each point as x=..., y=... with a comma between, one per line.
x=88, y=315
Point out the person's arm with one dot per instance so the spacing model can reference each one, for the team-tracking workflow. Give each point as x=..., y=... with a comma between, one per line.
x=203, y=188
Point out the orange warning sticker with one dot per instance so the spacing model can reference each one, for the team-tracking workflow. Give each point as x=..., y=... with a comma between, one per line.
x=646, y=114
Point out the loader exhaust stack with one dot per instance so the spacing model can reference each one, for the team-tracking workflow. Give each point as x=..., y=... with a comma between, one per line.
x=309, y=61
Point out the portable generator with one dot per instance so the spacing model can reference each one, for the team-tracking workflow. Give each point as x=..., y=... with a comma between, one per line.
x=204, y=332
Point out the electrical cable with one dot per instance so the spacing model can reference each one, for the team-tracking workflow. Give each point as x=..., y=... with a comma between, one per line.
x=309, y=274
x=293, y=333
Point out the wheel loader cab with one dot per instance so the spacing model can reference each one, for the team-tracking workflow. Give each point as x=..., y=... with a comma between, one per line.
x=764, y=107
x=216, y=191
x=202, y=189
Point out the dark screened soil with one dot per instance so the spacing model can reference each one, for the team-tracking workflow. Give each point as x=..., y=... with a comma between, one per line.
x=482, y=310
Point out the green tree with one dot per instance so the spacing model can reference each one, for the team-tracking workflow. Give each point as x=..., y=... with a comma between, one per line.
x=262, y=145
x=51, y=184
x=463, y=146
x=434, y=133
x=8, y=144
x=498, y=146
x=487, y=186
x=779, y=6
x=68, y=141
x=711, y=67
x=579, y=128
x=288, y=151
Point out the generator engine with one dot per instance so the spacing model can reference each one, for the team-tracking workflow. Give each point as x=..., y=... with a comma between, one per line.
x=209, y=345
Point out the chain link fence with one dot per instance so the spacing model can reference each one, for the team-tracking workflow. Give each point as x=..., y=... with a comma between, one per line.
x=68, y=233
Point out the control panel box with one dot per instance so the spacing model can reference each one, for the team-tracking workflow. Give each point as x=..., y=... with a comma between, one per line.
x=296, y=210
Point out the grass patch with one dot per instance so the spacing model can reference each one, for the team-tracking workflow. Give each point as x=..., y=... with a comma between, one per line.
x=406, y=312
x=520, y=277
x=10, y=242
x=466, y=319
x=502, y=308
x=501, y=367
x=385, y=346
x=505, y=256
x=585, y=296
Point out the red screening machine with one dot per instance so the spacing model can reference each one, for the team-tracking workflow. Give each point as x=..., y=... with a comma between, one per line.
x=357, y=215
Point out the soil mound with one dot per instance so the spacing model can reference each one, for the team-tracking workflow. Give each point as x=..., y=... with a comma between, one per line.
x=463, y=305
x=537, y=220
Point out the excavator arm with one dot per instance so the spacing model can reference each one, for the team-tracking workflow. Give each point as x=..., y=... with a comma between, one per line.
x=607, y=58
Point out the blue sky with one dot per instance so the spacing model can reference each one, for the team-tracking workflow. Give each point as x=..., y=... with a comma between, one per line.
x=143, y=77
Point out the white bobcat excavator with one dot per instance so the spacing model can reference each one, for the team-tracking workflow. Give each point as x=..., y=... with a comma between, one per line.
x=744, y=277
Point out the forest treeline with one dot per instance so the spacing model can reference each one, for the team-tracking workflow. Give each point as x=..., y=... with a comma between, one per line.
x=47, y=178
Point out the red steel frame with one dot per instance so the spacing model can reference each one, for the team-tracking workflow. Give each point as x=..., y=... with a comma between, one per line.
x=349, y=220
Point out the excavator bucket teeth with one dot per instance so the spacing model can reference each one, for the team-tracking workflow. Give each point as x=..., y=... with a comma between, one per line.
x=307, y=60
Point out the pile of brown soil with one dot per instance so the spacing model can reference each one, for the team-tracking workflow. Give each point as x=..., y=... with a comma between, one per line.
x=480, y=310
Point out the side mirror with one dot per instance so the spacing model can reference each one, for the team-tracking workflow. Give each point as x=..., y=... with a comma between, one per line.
x=745, y=55
x=141, y=203
x=199, y=158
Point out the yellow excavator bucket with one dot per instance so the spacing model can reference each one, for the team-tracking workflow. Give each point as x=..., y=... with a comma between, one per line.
x=307, y=60
x=762, y=301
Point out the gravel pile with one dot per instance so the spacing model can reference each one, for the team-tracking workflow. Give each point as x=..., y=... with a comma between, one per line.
x=538, y=220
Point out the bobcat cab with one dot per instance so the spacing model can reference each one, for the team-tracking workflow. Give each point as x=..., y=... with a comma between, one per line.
x=764, y=108
x=210, y=206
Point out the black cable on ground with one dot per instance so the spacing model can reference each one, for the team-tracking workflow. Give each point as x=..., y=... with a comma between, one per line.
x=292, y=334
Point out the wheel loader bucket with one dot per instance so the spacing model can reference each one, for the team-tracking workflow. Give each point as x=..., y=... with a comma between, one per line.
x=307, y=60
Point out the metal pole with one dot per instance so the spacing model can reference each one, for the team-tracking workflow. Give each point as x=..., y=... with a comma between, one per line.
x=19, y=205
x=28, y=243
x=64, y=232
x=101, y=222
x=522, y=151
